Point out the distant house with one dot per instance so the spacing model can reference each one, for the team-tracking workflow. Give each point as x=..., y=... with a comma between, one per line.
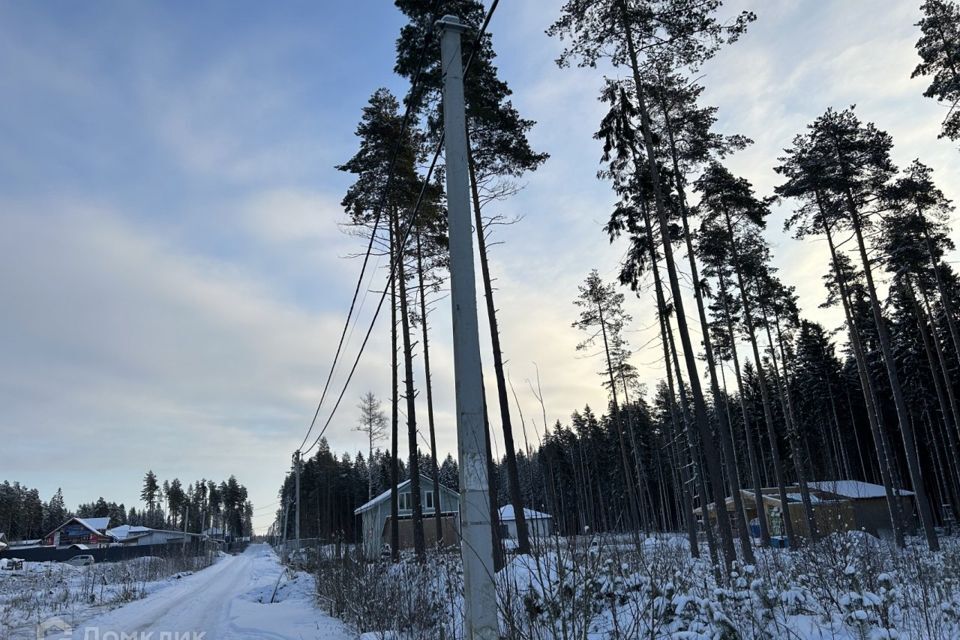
x=868, y=503
x=129, y=535
x=375, y=516
x=838, y=505
x=539, y=525
x=3, y=541
x=90, y=532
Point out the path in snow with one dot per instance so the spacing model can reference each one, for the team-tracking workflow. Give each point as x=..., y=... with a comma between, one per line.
x=228, y=601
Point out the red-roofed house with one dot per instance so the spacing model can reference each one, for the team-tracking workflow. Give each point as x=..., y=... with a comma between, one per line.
x=85, y=531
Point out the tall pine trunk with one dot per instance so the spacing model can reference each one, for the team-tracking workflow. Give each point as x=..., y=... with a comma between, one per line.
x=428, y=382
x=747, y=426
x=899, y=401
x=618, y=421
x=410, y=393
x=670, y=359
x=699, y=405
x=719, y=404
x=394, y=411
x=786, y=405
x=764, y=391
x=513, y=476
x=943, y=388
x=869, y=396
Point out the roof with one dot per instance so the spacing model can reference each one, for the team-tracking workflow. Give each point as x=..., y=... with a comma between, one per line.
x=855, y=489
x=798, y=497
x=400, y=487
x=125, y=531
x=94, y=525
x=132, y=532
x=507, y=514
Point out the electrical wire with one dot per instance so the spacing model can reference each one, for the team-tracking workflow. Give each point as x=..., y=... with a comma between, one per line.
x=407, y=114
x=403, y=242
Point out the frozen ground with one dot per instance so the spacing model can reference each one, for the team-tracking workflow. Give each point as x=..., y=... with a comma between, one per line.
x=229, y=600
x=843, y=587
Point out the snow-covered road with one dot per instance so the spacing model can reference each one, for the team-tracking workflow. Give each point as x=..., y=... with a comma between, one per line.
x=227, y=601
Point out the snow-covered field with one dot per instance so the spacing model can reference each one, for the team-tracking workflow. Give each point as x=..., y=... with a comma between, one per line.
x=847, y=587
x=41, y=591
x=229, y=600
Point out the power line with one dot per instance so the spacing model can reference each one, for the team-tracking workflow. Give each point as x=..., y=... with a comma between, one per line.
x=408, y=112
x=403, y=242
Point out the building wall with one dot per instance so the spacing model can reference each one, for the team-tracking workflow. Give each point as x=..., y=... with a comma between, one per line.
x=873, y=517
x=537, y=528
x=375, y=520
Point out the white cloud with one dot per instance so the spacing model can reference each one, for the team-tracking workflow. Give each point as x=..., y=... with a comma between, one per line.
x=187, y=324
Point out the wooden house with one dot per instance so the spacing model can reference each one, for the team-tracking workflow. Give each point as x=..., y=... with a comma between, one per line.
x=375, y=517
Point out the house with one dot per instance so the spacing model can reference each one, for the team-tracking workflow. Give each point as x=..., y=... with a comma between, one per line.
x=375, y=516
x=869, y=504
x=129, y=535
x=539, y=525
x=838, y=505
x=91, y=532
x=214, y=533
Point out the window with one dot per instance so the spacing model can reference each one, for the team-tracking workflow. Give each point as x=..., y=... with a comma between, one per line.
x=405, y=501
x=429, y=501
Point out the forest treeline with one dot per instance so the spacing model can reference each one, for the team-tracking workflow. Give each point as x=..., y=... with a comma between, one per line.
x=753, y=394
x=24, y=515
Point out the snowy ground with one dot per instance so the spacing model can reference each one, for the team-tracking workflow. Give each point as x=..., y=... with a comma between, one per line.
x=844, y=587
x=229, y=600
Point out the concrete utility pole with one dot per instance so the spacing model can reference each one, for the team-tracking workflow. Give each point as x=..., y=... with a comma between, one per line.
x=476, y=545
x=296, y=524
x=283, y=547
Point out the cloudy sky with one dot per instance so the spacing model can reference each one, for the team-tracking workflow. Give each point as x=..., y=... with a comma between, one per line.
x=172, y=274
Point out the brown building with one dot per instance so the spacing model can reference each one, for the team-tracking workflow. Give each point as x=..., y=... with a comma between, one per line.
x=838, y=505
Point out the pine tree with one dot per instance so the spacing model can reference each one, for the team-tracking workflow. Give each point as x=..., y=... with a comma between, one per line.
x=498, y=153
x=387, y=185
x=373, y=423
x=939, y=49
x=722, y=198
x=150, y=492
x=677, y=33
x=603, y=317
x=851, y=163
x=55, y=512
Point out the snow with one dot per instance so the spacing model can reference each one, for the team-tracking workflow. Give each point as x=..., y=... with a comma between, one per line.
x=854, y=488
x=96, y=525
x=230, y=599
x=843, y=587
x=507, y=514
x=126, y=530
x=797, y=497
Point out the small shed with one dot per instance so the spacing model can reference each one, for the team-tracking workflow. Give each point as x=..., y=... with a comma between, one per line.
x=375, y=516
x=539, y=524
x=89, y=531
